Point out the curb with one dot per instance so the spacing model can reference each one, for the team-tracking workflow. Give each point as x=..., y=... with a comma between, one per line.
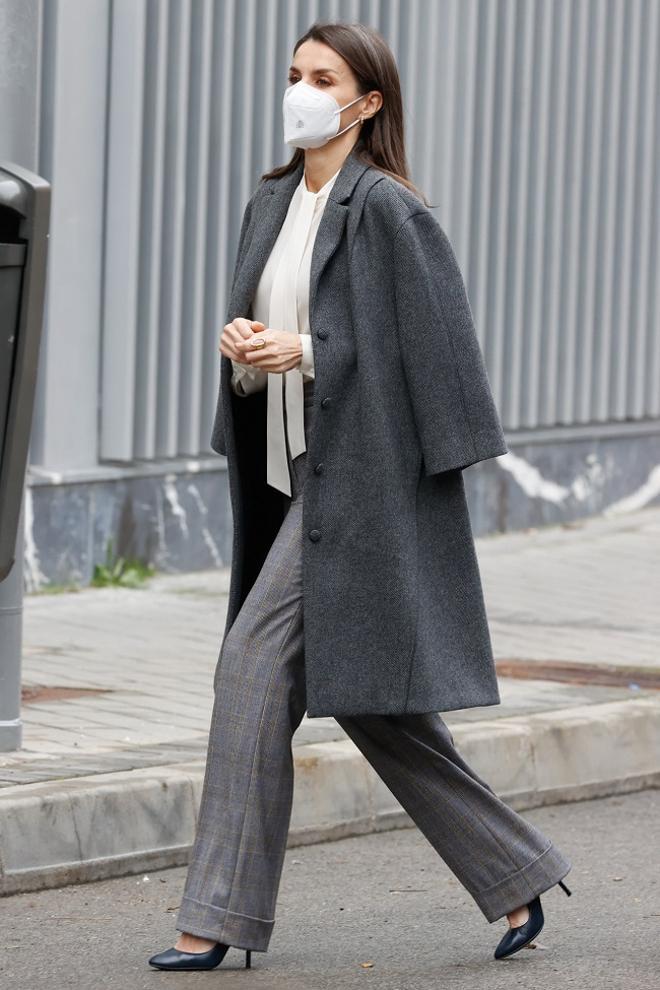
x=77, y=830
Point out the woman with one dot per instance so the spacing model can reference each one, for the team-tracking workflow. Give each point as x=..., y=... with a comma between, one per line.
x=353, y=393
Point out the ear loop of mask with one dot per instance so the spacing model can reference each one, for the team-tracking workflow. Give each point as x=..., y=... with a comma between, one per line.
x=353, y=122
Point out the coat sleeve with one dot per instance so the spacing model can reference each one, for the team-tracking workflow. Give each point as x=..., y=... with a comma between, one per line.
x=454, y=411
x=218, y=441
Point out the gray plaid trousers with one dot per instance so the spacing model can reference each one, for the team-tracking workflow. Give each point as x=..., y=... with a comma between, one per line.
x=236, y=862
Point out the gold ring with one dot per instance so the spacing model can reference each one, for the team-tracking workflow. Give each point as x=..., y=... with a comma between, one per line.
x=258, y=342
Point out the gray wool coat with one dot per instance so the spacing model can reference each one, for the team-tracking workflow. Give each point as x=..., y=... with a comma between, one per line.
x=393, y=608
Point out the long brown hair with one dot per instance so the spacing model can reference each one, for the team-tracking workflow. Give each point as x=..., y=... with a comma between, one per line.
x=381, y=139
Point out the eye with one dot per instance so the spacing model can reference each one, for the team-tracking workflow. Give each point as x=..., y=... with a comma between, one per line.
x=321, y=79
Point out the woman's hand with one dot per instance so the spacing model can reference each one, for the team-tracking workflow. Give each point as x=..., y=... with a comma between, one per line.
x=282, y=350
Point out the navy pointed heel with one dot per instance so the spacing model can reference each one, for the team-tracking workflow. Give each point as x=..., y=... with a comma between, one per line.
x=520, y=936
x=177, y=959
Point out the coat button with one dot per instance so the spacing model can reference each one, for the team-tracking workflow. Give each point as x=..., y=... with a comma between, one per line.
x=318, y=468
x=322, y=333
x=326, y=401
x=315, y=534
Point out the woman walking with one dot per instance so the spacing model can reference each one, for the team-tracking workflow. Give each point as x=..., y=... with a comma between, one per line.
x=353, y=393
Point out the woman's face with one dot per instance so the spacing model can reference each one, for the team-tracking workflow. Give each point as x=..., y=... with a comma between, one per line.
x=323, y=68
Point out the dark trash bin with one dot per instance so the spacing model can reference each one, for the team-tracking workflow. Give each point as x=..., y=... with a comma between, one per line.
x=24, y=219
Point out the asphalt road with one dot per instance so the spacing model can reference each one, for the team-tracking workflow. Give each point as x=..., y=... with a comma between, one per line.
x=385, y=899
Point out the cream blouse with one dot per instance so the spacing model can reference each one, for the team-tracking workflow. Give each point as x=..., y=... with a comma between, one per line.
x=281, y=301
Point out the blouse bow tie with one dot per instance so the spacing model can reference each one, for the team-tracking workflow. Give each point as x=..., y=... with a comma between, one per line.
x=285, y=284
x=283, y=312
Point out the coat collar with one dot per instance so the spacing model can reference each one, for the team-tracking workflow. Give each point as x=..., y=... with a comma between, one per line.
x=269, y=211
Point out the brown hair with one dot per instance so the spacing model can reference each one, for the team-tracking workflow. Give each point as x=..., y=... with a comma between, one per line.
x=381, y=139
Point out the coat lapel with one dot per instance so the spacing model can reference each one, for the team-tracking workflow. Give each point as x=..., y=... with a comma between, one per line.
x=269, y=212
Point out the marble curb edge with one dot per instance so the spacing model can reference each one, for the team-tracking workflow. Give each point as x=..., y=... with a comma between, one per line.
x=54, y=833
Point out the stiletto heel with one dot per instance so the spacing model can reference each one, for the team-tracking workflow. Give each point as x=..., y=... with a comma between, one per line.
x=248, y=958
x=564, y=887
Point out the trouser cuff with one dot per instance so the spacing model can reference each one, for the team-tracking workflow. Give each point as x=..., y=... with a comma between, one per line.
x=221, y=925
x=522, y=886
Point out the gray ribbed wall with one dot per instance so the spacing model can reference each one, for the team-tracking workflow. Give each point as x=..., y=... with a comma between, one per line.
x=534, y=127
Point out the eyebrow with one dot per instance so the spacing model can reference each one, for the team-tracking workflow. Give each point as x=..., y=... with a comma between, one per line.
x=315, y=72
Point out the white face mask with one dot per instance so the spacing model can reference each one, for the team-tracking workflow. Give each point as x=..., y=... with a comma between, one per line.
x=311, y=117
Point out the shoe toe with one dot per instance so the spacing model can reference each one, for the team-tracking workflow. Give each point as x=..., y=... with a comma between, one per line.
x=163, y=958
x=177, y=959
x=509, y=943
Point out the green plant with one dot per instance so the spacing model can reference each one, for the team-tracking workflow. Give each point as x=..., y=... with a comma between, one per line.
x=125, y=572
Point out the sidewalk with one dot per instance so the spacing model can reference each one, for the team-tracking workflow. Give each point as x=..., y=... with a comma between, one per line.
x=118, y=702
